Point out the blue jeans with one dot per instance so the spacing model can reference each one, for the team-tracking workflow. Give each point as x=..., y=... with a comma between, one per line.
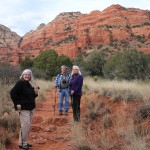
x=64, y=94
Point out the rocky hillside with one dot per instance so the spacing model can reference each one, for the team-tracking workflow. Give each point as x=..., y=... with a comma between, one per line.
x=73, y=32
x=8, y=45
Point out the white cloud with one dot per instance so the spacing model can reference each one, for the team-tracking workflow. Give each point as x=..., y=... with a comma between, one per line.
x=22, y=16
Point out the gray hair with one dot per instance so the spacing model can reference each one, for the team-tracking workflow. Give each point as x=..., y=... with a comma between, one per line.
x=64, y=66
x=76, y=67
x=27, y=71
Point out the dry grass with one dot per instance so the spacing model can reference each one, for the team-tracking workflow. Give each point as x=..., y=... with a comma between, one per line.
x=125, y=90
x=44, y=87
x=10, y=123
x=135, y=138
x=79, y=137
x=107, y=129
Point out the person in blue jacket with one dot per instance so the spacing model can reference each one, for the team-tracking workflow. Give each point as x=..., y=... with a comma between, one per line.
x=62, y=83
x=75, y=90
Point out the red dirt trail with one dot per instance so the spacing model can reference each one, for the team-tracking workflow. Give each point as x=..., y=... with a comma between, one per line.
x=48, y=132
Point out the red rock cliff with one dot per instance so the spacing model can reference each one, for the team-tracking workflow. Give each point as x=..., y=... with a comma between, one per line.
x=8, y=45
x=72, y=32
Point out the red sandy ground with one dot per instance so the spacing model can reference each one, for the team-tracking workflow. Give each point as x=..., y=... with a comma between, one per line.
x=48, y=132
x=51, y=132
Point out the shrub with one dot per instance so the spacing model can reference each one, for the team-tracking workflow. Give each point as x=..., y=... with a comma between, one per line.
x=92, y=115
x=38, y=74
x=11, y=123
x=129, y=65
x=95, y=78
x=9, y=74
x=107, y=122
x=142, y=113
x=26, y=63
x=2, y=146
x=84, y=147
x=111, y=68
x=95, y=109
x=5, y=139
x=95, y=62
x=64, y=60
x=46, y=62
x=49, y=63
x=99, y=46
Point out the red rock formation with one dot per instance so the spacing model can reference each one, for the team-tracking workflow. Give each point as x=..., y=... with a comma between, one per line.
x=8, y=45
x=72, y=32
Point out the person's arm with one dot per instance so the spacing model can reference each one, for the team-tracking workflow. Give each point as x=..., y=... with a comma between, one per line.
x=15, y=92
x=57, y=80
x=79, y=84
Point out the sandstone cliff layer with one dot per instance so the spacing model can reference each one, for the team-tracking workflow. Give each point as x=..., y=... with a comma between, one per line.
x=73, y=32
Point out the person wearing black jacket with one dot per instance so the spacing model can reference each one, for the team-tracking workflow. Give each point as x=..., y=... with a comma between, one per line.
x=23, y=96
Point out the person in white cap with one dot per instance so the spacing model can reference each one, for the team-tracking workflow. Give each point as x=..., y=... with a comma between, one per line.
x=62, y=82
x=23, y=96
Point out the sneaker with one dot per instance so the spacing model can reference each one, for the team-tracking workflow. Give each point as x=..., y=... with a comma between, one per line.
x=25, y=147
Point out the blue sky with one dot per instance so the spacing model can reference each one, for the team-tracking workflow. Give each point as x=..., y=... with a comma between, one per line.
x=21, y=16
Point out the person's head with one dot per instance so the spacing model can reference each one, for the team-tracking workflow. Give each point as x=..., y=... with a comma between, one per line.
x=75, y=70
x=27, y=75
x=63, y=69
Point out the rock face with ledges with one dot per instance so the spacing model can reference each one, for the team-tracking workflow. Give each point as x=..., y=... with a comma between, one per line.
x=8, y=45
x=73, y=32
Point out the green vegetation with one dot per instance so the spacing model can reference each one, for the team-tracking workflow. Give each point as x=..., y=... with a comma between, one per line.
x=141, y=25
x=27, y=62
x=95, y=62
x=66, y=40
x=140, y=38
x=128, y=65
x=43, y=64
x=46, y=62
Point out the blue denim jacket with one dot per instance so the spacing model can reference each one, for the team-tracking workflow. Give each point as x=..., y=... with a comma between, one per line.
x=58, y=80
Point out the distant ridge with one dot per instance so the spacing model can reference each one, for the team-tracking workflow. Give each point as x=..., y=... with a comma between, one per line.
x=72, y=32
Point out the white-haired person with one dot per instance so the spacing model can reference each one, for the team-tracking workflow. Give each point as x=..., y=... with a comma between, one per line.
x=23, y=96
x=75, y=89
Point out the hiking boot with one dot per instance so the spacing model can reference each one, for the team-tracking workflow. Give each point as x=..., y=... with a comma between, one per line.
x=29, y=145
x=66, y=113
x=60, y=112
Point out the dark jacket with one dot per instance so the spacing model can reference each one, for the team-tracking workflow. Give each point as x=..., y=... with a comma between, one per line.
x=76, y=83
x=23, y=93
